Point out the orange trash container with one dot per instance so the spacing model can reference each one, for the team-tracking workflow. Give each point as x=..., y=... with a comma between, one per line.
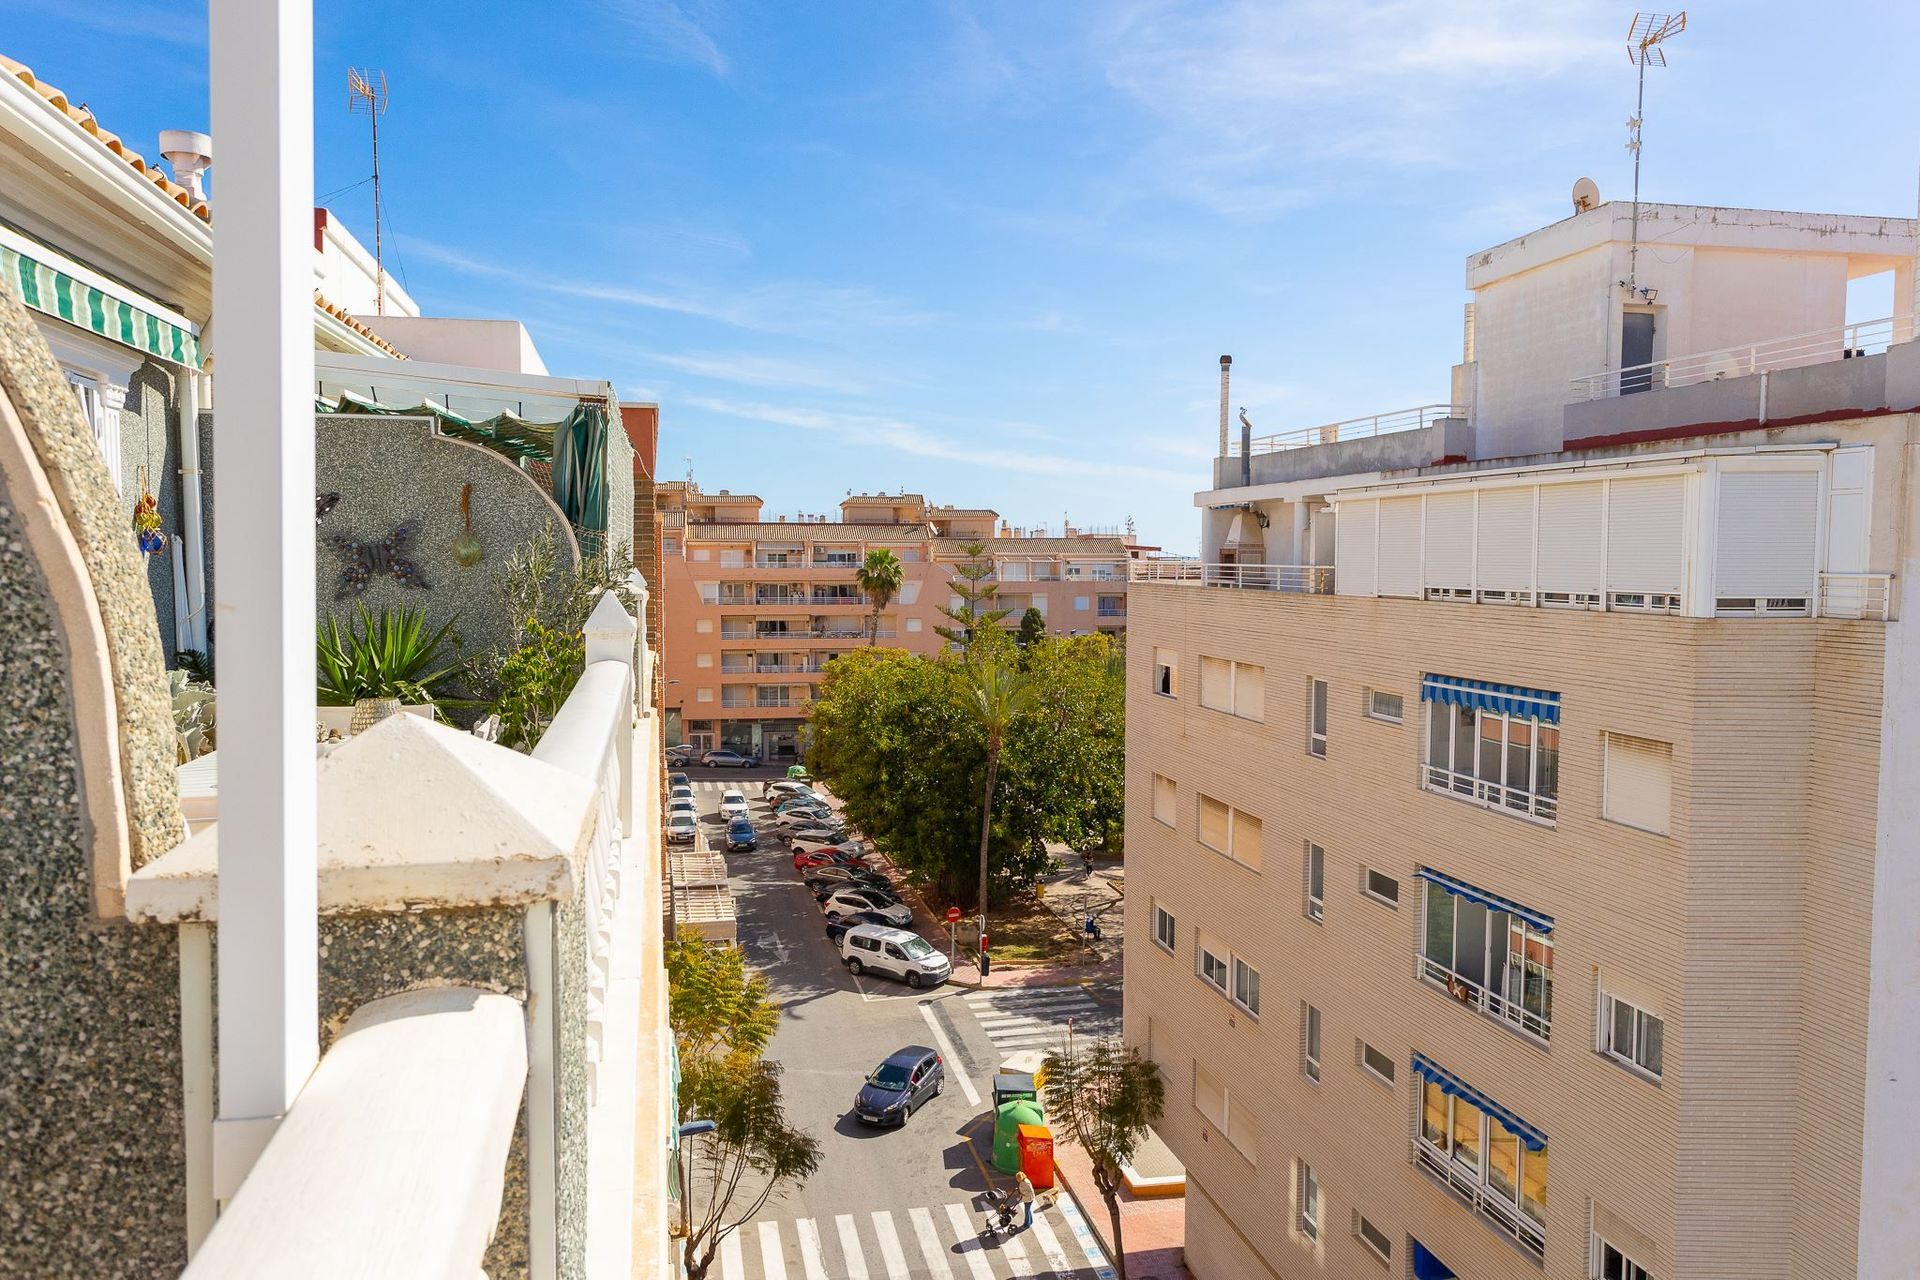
x=1036, y=1154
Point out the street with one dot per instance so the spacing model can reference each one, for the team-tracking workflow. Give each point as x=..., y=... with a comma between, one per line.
x=897, y=1203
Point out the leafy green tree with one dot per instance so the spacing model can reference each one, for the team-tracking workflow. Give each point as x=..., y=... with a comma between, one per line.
x=752, y=1153
x=1069, y=747
x=717, y=1007
x=996, y=693
x=972, y=582
x=879, y=580
x=1106, y=1097
x=1033, y=628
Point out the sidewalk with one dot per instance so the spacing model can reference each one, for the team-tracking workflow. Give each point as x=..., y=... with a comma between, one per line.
x=1155, y=1230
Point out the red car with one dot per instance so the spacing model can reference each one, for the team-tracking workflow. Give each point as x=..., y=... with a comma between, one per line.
x=807, y=859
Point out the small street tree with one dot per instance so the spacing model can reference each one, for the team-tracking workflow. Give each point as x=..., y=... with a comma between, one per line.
x=1106, y=1097
x=977, y=594
x=879, y=580
x=1033, y=627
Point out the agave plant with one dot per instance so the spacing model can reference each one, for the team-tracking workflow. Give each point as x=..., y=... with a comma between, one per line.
x=388, y=655
x=193, y=716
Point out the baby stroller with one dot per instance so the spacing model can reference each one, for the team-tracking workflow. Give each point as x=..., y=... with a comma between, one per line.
x=1003, y=1213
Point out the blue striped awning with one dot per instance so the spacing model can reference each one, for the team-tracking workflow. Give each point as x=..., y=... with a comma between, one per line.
x=1448, y=1082
x=1486, y=695
x=1492, y=901
x=53, y=292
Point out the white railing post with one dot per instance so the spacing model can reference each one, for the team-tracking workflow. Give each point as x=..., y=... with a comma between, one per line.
x=261, y=59
x=611, y=636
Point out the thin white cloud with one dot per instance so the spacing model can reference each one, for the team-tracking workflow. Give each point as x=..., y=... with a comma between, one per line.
x=165, y=23
x=756, y=371
x=667, y=31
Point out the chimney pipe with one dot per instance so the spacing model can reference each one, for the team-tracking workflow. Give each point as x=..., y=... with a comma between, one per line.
x=1246, y=449
x=1226, y=363
x=190, y=154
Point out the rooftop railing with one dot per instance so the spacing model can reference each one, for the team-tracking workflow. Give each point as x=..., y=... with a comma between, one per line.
x=1379, y=424
x=1836, y=342
x=1303, y=579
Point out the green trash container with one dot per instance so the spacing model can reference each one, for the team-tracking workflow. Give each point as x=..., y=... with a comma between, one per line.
x=1007, y=1119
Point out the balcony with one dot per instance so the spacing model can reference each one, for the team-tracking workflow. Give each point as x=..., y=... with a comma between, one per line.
x=1111, y=609
x=1822, y=346
x=1484, y=1200
x=1298, y=579
x=1391, y=441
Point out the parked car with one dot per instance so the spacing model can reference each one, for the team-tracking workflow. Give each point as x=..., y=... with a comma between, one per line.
x=724, y=759
x=682, y=754
x=679, y=780
x=801, y=842
x=889, y=908
x=900, y=1086
x=733, y=804
x=778, y=789
x=838, y=926
x=895, y=953
x=820, y=877
x=682, y=827
x=741, y=836
x=806, y=816
x=680, y=793
x=827, y=857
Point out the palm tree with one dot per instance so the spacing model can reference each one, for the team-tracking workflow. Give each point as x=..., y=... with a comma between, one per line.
x=879, y=578
x=997, y=692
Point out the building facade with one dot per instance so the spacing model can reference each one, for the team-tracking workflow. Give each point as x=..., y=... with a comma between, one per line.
x=756, y=607
x=1578, y=719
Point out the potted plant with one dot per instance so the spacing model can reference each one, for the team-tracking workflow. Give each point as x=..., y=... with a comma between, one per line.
x=377, y=663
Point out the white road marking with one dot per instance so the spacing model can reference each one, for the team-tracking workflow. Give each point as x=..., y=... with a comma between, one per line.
x=890, y=1251
x=955, y=1071
x=773, y=1261
x=810, y=1256
x=1050, y=1245
x=850, y=1247
x=732, y=1266
x=969, y=1237
x=1089, y=1243
x=930, y=1247
x=1016, y=1255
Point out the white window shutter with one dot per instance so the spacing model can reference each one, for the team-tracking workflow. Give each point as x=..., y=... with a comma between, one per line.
x=909, y=593
x=1639, y=783
x=1570, y=537
x=1849, y=508
x=1449, y=541
x=1505, y=549
x=1766, y=535
x=1216, y=684
x=1250, y=691
x=1644, y=535
x=1399, y=555
x=1210, y=1098
x=1356, y=541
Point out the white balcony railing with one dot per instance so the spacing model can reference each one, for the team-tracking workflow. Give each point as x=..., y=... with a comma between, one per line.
x=1379, y=424
x=1493, y=795
x=1303, y=579
x=1492, y=1003
x=1488, y=1202
x=1857, y=595
x=1836, y=342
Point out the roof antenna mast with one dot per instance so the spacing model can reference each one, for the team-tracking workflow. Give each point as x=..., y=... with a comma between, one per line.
x=367, y=95
x=1644, y=38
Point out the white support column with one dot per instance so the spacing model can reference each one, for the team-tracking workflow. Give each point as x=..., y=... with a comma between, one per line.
x=261, y=56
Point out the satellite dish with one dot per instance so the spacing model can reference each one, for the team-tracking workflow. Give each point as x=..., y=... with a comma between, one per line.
x=1586, y=195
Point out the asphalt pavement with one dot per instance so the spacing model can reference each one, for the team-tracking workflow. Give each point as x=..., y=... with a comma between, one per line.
x=902, y=1203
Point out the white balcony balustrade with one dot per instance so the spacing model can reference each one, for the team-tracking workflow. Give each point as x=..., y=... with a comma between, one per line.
x=1836, y=342
x=1303, y=579
x=1378, y=424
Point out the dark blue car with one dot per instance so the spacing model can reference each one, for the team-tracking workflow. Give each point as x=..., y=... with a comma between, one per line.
x=740, y=835
x=900, y=1086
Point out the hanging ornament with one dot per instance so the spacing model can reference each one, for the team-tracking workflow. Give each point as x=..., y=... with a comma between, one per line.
x=467, y=550
x=146, y=521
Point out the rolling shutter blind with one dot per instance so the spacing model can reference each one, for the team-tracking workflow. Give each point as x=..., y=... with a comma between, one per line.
x=1165, y=801
x=1210, y=1099
x=909, y=593
x=1213, y=823
x=1246, y=840
x=1764, y=545
x=1356, y=542
x=1639, y=783
x=1570, y=537
x=1249, y=691
x=1244, y=1137
x=1505, y=548
x=1399, y=552
x=1449, y=540
x=1216, y=684
x=1644, y=534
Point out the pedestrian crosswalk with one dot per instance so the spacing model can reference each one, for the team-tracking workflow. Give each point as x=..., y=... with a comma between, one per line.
x=1037, y=1017
x=938, y=1242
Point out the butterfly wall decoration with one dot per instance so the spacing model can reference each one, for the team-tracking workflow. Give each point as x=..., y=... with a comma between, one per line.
x=365, y=561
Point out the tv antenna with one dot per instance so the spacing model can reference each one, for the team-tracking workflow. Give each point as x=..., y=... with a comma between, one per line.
x=1644, y=40
x=367, y=95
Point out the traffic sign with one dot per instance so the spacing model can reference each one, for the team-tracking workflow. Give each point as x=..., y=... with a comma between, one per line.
x=953, y=915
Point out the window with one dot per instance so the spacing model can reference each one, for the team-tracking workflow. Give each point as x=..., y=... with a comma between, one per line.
x=1212, y=960
x=737, y=559
x=1496, y=745
x=1384, y=706
x=1246, y=986
x=1376, y=1063
x=913, y=625
x=1166, y=801
x=1166, y=673
x=703, y=626
x=701, y=554
x=1166, y=930
x=1381, y=887
x=1612, y=1264
x=1213, y=1101
x=703, y=695
x=1316, y=870
x=709, y=592
x=1310, y=1042
x=1494, y=1159
x=1317, y=718
x=1237, y=688
x=1083, y=603
x=703, y=660
x=1632, y=1036
x=1309, y=1185
x=1488, y=953
x=1638, y=789
x=1378, y=1242
x=1231, y=831
x=909, y=593
x=669, y=546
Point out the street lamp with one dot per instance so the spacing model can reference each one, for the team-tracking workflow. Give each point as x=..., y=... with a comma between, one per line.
x=691, y=1129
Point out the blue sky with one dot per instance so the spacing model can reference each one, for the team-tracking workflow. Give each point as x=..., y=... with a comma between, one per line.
x=992, y=251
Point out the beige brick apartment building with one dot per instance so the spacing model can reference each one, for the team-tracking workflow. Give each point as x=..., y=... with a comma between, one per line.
x=1521, y=803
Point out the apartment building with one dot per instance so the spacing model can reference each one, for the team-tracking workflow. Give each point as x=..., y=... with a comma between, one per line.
x=757, y=605
x=1520, y=865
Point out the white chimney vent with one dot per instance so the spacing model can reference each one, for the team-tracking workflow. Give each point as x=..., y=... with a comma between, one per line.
x=189, y=153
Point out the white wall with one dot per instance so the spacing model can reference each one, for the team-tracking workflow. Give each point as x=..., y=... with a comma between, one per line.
x=1533, y=332
x=504, y=345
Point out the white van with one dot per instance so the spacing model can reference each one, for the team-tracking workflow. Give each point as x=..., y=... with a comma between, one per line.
x=876, y=948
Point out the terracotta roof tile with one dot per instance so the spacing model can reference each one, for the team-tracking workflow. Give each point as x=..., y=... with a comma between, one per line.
x=345, y=317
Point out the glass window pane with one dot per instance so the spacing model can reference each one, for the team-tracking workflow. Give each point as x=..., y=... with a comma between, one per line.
x=1439, y=925
x=1533, y=1184
x=1503, y=1160
x=1466, y=1133
x=1470, y=944
x=1519, y=774
x=1316, y=871
x=1653, y=1044
x=1492, y=742
x=1538, y=996
x=1433, y=1115
x=1463, y=751
x=1546, y=778
x=1439, y=735
x=1622, y=1042
x=1313, y=1033
x=1320, y=707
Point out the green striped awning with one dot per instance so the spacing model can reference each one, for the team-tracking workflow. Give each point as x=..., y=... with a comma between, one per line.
x=60, y=295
